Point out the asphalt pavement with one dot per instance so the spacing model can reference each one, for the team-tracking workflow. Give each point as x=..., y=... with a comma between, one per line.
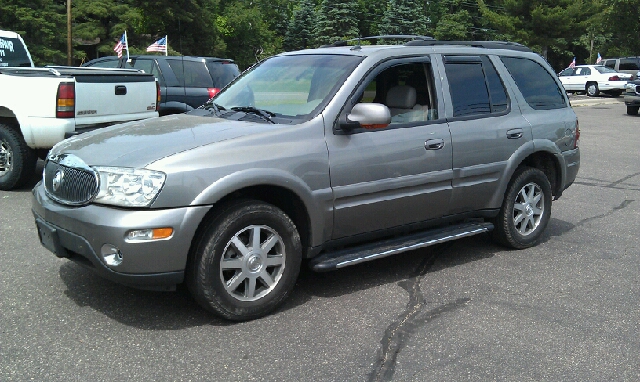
x=470, y=310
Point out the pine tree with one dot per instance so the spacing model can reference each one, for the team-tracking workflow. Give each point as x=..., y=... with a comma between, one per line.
x=404, y=17
x=300, y=31
x=336, y=20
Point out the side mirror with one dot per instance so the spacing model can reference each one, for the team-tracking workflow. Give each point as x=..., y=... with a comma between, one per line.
x=368, y=116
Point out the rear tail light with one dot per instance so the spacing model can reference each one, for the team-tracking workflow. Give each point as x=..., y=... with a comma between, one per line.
x=577, y=141
x=614, y=78
x=66, y=100
x=157, y=96
x=213, y=92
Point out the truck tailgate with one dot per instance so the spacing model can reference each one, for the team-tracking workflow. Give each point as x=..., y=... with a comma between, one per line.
x=107, y=95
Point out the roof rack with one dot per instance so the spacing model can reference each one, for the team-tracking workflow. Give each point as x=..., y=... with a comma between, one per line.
x=478, y=44
x=382, y=37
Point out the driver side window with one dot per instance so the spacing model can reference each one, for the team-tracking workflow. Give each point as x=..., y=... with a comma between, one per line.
x=407, y=90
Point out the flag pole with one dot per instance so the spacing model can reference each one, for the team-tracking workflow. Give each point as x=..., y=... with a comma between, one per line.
x=126, y=42
x=166, y=42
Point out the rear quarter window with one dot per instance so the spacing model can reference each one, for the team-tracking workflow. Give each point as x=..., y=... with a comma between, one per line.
x=191, y=73
x=222, y=73
x=536, y=84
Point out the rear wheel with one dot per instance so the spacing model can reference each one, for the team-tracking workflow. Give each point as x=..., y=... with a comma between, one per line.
x=592, y=89
x=525, y=211
x=246, y=261
x=632, y=110
x=17, y=160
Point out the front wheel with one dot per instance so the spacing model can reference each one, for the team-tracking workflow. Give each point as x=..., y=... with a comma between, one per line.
x=592, y=89
x=17, y=160
x=246, y=261
x=525, y=211
x=632, y=110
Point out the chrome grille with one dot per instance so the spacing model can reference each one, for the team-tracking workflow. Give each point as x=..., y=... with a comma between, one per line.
x=69, y=184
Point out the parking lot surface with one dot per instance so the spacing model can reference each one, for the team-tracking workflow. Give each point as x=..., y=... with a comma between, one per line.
x=566, y=310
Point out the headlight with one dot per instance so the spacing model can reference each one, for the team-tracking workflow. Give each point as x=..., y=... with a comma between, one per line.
x=128, y=187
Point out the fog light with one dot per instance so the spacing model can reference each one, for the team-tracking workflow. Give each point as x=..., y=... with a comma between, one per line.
x=149, y=234
x=111, y=255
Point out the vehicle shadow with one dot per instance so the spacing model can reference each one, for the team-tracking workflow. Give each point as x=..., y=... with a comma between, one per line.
x=150, y=310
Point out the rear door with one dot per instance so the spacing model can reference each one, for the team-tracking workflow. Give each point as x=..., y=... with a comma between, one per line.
x=486, y=130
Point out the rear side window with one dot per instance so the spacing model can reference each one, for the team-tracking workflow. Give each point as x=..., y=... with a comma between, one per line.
x=536, y=84
x=191, y=74
x=610, y=64
x=222, y=72
x=475, y=86
x=629, y=64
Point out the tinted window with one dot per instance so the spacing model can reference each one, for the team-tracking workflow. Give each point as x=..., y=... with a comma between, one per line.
x=13, y=53
x=222, y=72
x=628, y=64
x=191, y=73
x=149, y=66
x=468, y=89
x=536, y=84
x=610, y=64
x=497, y=94
x=106, y=64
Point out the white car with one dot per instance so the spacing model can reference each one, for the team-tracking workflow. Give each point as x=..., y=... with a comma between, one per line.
x=594, y=79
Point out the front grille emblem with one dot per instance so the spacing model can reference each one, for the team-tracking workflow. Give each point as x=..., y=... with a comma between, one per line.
x=57, y=180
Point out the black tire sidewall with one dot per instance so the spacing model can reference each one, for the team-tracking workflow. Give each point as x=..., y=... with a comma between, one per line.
x=24, y=159
x=505, y=231
x=205, y=281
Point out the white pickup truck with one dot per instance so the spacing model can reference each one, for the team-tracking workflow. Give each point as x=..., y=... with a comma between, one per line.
x=40, y=107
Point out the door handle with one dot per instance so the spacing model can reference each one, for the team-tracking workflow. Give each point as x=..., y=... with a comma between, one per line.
x=514, y=134
x=434, y=144
x=121, y=90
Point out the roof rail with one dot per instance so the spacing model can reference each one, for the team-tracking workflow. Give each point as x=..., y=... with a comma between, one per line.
x=381, y=37
x=478, y=44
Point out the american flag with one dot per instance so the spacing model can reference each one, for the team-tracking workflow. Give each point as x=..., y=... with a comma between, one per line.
x=573, y=63
x=122, y=44
x=158, y=46
x=599, y=59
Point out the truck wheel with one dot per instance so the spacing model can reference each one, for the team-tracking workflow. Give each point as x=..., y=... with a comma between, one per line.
x=632, y=110
x=525, y=211
x=592, y=89
x=17, y=160
x=246, y=261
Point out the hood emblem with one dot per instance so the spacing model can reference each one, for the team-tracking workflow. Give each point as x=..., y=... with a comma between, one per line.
x=57, y=180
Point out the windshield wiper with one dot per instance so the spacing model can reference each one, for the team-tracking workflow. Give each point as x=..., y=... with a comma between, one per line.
x=266, y=114
x=213, y=106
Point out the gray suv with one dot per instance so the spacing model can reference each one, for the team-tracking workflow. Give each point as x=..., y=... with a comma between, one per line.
x=326, y=157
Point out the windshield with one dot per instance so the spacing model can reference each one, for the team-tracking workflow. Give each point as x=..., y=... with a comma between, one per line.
x=13, y=53
x=604, y=69
x=290, y=88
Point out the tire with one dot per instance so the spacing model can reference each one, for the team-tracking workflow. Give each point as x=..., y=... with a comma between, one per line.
x=17, y=160
x=592, y=89
x=632, y=110
x=229, y=277
x=525, y=210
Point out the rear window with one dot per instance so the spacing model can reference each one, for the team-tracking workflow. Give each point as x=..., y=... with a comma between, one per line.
x=13, y=53
x=191, y=74
x=222, y=72
x=536, y=84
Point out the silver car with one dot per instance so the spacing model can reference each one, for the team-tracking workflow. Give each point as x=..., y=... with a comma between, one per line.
x=332, y=156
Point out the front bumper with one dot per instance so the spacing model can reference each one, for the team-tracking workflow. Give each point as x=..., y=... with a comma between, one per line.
x=79, y=233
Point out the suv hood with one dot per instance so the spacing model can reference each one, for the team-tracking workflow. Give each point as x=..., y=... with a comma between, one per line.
x=137, y=144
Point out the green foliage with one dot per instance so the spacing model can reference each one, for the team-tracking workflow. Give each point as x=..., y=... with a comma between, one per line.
x=403, y=17
x=300, y=32
x=249, y=30
x=336, y=20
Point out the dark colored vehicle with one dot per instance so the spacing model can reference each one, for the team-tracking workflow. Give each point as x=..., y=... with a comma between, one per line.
x=632, y=97
x=186, y=82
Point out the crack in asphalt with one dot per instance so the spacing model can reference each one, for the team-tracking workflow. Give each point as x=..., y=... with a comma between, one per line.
x=615, y=209
x=400, y=331
x=614, y=185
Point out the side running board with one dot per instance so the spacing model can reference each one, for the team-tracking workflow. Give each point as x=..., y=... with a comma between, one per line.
x=355, y=255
